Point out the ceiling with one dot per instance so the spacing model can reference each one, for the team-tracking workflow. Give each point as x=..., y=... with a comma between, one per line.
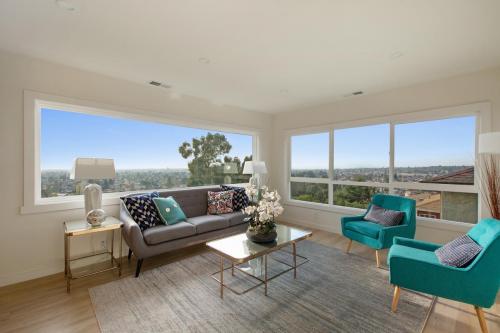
x=262, y=55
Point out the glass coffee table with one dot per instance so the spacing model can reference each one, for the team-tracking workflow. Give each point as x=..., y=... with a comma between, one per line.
x=238, y=249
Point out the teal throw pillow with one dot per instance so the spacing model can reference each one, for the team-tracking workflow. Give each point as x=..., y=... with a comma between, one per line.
x=170, y=211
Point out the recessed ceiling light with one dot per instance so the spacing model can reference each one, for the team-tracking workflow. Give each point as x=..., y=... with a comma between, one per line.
x=204, y=60
x=66, y=5
x=396, y=55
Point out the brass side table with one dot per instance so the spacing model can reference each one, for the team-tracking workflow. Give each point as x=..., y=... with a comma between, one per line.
x=81, y=228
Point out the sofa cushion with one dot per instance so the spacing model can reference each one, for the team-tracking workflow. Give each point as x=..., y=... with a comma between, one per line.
x=234, y=218
x=240, y=197
x=193, y=201
x=206, y=223
x=165, y=233
x=169, y=210
x=220, y=202
x=369, y=229
x=385, y=217
x=459, y=252
x=143, y=210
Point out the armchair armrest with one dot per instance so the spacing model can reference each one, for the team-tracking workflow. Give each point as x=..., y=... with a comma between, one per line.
x=416, y=244
x=387, y=234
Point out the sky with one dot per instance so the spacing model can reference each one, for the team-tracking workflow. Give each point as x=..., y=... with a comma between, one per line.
x=132, y=144
x=141, y=145
x=438, y=142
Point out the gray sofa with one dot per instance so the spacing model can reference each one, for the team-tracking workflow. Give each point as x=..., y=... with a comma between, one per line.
x=198, y=228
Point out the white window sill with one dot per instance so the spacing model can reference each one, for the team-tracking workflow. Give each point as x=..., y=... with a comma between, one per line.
x=423, y=221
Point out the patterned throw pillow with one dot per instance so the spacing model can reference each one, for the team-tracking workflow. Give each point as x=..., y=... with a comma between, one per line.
x=143, y=210
x=459, y=252
x=240, y=198
x=385, y=217
x=169, y=210
x=220, y=202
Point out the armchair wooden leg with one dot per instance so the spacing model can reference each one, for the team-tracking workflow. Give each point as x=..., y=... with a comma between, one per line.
x=482, y=320
x=348, y=246
x=395, y=299
x=377, y=258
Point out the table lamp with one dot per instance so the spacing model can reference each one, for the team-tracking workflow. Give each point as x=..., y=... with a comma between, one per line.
x=92, y=169
x=255, y=168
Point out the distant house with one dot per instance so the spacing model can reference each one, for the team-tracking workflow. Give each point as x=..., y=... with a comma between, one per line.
x=453, y=206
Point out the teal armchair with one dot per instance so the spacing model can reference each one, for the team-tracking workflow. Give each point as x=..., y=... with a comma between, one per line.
x=375, y=235
x=414, y=265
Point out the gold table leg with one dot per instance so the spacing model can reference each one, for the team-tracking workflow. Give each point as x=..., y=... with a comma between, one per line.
x=65, y=255
x=120, y=254
x=112, y=247
x=294, y=247
x=265, y=274
x=68, y=267
x=221, y=277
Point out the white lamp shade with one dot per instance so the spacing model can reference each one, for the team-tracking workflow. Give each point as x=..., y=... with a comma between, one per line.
x=489, y=143
x=93, y=168
x=254, y=168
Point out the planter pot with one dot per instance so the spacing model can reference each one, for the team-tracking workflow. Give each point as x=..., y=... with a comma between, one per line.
x=257, y=237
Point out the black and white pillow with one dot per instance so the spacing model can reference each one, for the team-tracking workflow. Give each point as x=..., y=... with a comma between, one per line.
x=385, y=217
x=459, y=252
x=240, y=198
x=143, y=210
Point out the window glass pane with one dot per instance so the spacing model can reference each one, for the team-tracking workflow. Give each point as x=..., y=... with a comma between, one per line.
x=310, y=155
x=309, y=192
x=147, y=155
x=437, y=151
x=451, y=206
x=354, y=196
x=362, y=153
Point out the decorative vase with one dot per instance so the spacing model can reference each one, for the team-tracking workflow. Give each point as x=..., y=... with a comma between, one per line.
x=258, y=237
x=95, y=217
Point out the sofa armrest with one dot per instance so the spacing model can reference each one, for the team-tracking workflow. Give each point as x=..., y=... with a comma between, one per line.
x=132, y=233
x=417, y=244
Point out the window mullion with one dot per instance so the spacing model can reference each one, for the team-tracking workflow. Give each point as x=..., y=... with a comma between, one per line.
x=331, y=167
x=391, y=157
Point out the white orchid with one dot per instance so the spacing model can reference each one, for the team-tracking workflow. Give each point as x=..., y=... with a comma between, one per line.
x=264, y=210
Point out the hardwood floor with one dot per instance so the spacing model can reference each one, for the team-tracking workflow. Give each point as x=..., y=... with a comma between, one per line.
x=42, y=305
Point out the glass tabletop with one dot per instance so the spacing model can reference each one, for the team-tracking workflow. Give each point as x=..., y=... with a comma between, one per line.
x=239, y=248
x=82, y=227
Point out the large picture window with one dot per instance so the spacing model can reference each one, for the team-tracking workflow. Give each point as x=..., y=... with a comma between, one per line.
x=147, y=155
x=430, y=158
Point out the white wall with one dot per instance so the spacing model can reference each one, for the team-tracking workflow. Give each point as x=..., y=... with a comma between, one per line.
x=32, y=245
x=466, y=89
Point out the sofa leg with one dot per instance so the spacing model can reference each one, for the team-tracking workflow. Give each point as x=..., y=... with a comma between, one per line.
x=377, y=258
x=348, y=246
x=395, y=299
x=138, y=268
x=482, y=320
x=129, y=254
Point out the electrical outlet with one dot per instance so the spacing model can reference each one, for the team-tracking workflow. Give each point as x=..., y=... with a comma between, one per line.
x=104, y=246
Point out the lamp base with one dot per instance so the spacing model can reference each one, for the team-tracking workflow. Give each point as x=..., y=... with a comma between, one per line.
x=92, y=194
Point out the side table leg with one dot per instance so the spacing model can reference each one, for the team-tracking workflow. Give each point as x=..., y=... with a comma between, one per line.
x=68, y=256
x=120, y=255
x=265, y=274
x=112, y=247
x=65, y=255
x=232, y=268
x=221, y=277
x=294, y=260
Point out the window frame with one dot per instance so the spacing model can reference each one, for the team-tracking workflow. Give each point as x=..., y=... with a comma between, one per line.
x=35, y=101
x=482, y=112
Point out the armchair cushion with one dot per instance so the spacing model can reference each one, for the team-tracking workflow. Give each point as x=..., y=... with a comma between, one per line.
x=385, y=217
x=369, y=229
x=459, y=252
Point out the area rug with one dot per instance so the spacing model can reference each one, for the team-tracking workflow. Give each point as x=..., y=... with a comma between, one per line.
x=333, y=292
